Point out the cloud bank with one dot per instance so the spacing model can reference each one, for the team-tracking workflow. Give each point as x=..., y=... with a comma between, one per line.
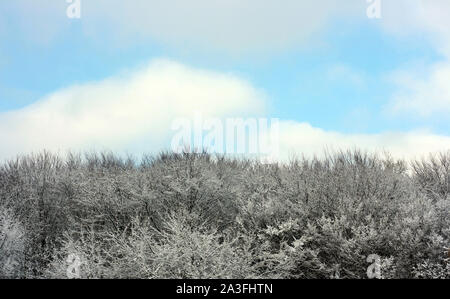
x=303, y=139
x=422, y=92
x=231, y=25
x=134, y=112
x=125, y=112
x=425, y=94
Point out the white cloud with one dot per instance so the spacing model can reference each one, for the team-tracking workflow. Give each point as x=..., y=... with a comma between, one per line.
x=423, y=92
x=134, y=113
x=233, y=25
x=423, y=95
x=296, y=139
x=424, y=17
x=132, y=110
x=228, y=25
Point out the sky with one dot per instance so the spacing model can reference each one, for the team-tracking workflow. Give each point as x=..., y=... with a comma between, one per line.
x=118, y=76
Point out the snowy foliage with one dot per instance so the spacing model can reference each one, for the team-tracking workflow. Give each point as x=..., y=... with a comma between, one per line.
x=11, y=245
x=200, y=216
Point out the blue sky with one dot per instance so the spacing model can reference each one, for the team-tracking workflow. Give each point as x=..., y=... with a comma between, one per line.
x=326, y=66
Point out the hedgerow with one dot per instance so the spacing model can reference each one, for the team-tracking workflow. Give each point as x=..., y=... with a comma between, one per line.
x=195, y=215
